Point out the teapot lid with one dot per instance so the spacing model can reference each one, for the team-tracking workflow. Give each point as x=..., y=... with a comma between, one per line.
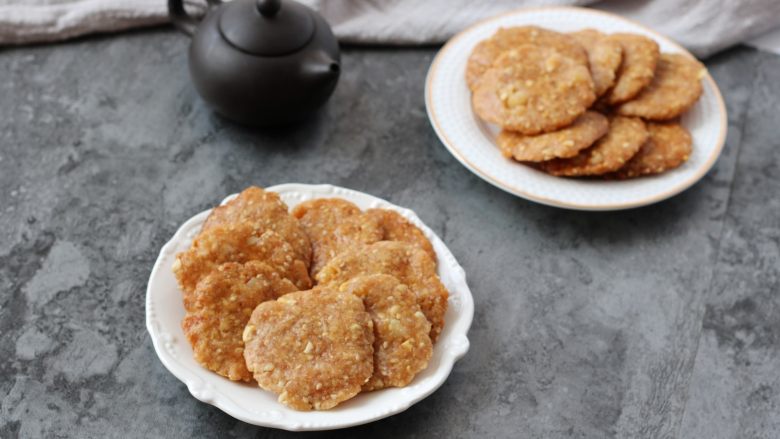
x=267, y=27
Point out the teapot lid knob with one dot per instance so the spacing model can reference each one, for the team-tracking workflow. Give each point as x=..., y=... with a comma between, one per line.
x=269, y=8
x=266, y=27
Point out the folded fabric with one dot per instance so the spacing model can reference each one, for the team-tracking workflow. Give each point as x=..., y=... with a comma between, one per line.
x=33, y=21
x=704, y=26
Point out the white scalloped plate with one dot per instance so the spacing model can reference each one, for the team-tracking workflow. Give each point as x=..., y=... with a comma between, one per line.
x=164, y=312
x=471, y=141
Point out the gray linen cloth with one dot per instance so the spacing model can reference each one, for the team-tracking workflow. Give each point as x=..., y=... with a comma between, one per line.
x=704, y=26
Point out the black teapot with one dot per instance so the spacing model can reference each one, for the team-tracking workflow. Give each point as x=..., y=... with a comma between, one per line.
x=260, y=62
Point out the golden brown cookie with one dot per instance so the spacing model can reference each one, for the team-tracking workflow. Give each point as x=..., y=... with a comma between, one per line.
x=334, y=225
x=407, y=263
x=313, y=348
x=640, y=55
x=623, y=140
x=397, y=228
x=668, y=147
x=402, y=346
x=219, y=309
x=533, y=89
x=564, y=143
x=238, y=243
x=604, y=58
x=674, y=89
x=487, y=52
x=266, y=211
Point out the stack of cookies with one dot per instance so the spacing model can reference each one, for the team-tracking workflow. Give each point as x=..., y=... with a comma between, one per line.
x=316, y=305
x=585, y=103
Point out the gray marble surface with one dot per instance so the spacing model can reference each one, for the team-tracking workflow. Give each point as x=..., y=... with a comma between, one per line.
x=658, y=322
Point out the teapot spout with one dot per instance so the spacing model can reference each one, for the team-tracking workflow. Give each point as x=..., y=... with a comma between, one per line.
x=320, y=66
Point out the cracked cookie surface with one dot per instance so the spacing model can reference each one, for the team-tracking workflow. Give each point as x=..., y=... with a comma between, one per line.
x=533, y=89
x=564, y=143
x=334, y=225
x=668, y=147
x=676, y=86
x=312, y=348
x=640, y=56
x=238, y=243
x=625, y=137
x=407, y=263
x=402, y=346
x=219, y=309
x=487, y=51
x=397, y=228
x=604, y=58
x=266, y=211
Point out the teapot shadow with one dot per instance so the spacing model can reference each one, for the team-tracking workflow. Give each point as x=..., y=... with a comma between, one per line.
x=291, y=136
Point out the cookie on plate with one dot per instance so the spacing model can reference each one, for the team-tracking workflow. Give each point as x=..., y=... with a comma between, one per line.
x=533, y=89
x=564, y=143
x=640, y=56
x=220, y=307
x=668, y=147
x=407, y=263
x=397, y=228
x=266, y=211
x=402, y=346
x=674, y=89
x=334, y=225
x=604, y=58
x=625, y=137
x=240, y=243
x=313, y=348
x=486, y=52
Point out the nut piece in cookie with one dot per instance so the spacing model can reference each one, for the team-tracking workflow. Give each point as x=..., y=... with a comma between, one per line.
x=397, y=228
x=334, y=225
x=625, y=137
x=668, y=147
x=604, y=57
x=674, y=89
x=266, y=211
x=313, y=348
x=240, y=243
x=220, y=307
x=486, y=52
x=564, y=143
x=402, y=347
x=533, y=89
x=407, y=263
x=640, y=56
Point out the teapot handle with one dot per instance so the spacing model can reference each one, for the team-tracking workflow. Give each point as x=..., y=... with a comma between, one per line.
x=183, y=21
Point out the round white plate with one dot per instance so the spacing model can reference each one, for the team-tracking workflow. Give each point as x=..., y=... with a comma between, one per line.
x=249, y=403
x=471, y=141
